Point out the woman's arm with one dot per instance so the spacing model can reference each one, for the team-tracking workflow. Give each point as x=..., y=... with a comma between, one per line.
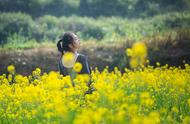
x=88, y=69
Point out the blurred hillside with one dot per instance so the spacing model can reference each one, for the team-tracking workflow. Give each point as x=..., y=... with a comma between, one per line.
x=34, y=21
x=94, y=8
x=29, y=30
x=17, y=29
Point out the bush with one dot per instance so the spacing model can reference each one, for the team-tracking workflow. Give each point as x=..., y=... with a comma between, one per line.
x=49, y=28
x=13, y=23
x=15, y=41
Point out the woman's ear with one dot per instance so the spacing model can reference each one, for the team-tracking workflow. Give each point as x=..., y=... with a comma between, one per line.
x=71, y=46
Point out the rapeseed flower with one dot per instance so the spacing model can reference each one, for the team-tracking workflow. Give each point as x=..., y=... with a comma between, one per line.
x=11, y=69
x=77, y=67
x=138, y=54
x=68, y=58
x=144, y=96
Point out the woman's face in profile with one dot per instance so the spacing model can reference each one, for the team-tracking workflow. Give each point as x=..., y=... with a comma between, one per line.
x=76, y=43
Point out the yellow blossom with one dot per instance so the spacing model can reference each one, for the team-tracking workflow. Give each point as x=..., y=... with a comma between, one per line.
x=129, y=52
x=113, y=97
x=138, y=54
x=68, y=58
x=11, y=69
x=77, y=67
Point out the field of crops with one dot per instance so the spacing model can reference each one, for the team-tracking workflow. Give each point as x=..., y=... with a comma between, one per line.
x=141, y=95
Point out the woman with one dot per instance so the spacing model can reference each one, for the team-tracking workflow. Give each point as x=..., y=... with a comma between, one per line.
x=70, y=43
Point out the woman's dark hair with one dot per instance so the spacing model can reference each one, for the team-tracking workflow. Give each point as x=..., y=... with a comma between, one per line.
x=63, y=43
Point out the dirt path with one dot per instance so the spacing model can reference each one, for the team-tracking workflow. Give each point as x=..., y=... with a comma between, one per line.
x=27, y=60
x=99, y=56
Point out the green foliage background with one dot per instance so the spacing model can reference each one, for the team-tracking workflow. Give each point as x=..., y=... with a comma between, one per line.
x=103, y=29
x=94, y=8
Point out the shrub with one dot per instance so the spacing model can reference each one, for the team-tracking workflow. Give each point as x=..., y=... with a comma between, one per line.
x=16, y=41
x=13, y=23
x=101, y=29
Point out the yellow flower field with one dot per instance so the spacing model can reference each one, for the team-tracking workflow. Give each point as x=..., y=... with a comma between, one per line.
x=143, y=95
x=149, y=95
